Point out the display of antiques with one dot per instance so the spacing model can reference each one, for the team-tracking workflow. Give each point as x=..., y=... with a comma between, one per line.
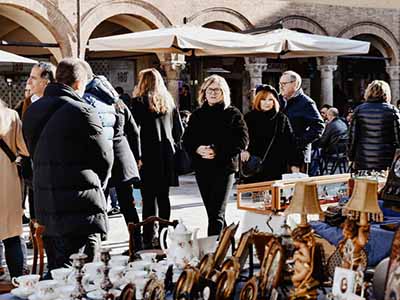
x=307, y=260
x=259, y=265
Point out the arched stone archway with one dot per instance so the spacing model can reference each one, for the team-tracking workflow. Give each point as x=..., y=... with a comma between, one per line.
x=304, y=23
x=388, y=40
x=386, y=43
x=143, y=11
x=44, y=21
x=220, y=14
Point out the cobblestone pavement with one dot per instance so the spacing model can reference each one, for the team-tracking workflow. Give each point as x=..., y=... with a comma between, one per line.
x=186, y=204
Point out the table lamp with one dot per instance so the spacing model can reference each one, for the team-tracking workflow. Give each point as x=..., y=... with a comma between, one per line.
x=363, y=203
x=361, y=208
x=305, y=279
x=305, y=202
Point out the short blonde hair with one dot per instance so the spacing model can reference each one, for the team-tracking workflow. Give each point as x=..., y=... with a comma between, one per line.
x=378, y=89
x=226, y=93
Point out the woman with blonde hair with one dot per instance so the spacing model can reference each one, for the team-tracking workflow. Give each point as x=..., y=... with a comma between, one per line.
x=271, y=136
x=11, y=211
x=215, y=135
x=160, y=129
x=374, y=130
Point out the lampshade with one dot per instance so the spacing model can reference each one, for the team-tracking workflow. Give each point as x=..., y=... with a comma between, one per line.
x=305, y=200
x=364, y=199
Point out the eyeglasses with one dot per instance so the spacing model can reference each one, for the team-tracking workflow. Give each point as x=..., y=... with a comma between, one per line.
x=285, y=83
x=213, y=91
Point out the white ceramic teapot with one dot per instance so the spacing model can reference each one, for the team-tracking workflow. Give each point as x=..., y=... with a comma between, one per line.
x=182, y=244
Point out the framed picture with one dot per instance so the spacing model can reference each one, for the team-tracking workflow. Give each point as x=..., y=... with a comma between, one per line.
x=392, y=289
x=344, y=282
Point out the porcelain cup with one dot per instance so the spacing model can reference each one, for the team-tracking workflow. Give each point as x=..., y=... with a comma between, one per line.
x=46, y=289
x=26, y=282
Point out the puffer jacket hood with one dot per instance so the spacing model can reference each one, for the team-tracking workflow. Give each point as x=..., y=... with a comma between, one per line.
x=102, y=89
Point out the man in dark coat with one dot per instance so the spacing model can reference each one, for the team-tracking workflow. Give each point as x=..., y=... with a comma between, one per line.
x=336, y=129
x=303, y=114
x=72, y=162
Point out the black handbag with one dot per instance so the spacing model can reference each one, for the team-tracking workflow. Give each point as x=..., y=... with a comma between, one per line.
x=254, y=164
x=183, y=162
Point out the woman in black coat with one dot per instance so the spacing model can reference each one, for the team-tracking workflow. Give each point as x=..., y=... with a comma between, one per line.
x=264, y=122
x=374, y=130
x=160, y=129
x=215, y=135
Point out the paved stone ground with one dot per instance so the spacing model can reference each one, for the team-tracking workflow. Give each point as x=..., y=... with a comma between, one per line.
x=186, y=205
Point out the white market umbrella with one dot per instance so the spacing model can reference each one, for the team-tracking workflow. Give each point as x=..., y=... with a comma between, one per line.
x=285, y=43
x=8, y=57
x=186, y=39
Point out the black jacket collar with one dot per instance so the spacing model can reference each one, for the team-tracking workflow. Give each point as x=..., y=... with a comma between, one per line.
x=61, y=90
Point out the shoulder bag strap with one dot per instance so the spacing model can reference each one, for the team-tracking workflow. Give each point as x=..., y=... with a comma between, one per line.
x=7, y=151
x=272, y=141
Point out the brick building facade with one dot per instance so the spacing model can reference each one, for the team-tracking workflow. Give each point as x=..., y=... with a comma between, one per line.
x=338, y=80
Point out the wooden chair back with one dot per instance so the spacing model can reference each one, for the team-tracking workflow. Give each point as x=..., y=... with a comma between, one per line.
x=36, y=231
x=150, y=220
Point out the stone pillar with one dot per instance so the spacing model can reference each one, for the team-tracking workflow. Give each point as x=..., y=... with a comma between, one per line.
x=255, y=66
x=327, y=66
x=173, y=64
x=394, y=74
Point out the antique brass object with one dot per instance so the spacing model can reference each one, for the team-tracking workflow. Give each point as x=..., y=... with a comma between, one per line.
x=224, y=244
x=271, y=268
x=226, y=283
x=154, y=289
x=249, y=290
x=242, y=250
x=185, y=286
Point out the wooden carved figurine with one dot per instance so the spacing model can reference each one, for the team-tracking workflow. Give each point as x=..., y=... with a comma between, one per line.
x=303, y=278
x=355, y=237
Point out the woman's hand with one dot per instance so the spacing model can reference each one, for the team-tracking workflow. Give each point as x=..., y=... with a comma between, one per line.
x=206, y=152
x=244, y=156
x=139, y=164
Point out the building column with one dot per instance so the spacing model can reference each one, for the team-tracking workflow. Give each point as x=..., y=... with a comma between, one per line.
x=394, y=74
x=327, y=65
x=173, y=64
x=255, y=66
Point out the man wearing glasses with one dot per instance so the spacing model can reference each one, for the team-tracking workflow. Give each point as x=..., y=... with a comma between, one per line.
x=303, y=114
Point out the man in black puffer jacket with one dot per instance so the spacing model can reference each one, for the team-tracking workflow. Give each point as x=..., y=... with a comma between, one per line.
x=72, y=163
x=374, y=130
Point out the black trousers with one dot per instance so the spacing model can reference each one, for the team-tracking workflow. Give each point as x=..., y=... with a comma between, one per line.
x=14, y=256
x=128, y=209
x=151, y=197
x=59, y=248
x=215, y=189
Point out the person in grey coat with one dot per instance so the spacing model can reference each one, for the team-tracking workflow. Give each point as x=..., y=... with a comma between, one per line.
x=336, y=129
